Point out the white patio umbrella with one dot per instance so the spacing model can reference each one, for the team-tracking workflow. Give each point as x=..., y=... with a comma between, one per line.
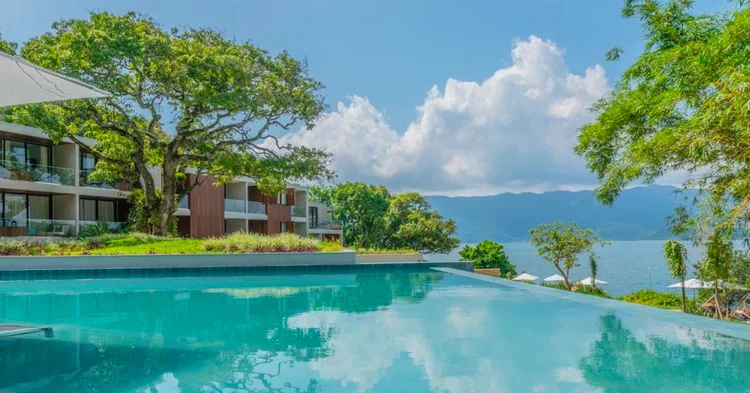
x=589, y=281
x=692, y=283
x=24, y=83
x=525, y=277
x=554, y=278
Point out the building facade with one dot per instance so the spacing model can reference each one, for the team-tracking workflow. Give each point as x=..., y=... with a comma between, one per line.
x=45, y=191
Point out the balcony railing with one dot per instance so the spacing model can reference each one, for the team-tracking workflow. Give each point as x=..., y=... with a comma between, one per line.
x=14, y=170
x=99, y=226
x=37, y=227
x=325, y=225
x=256, y=207
x=183, y=204
x=85, y=182
x=299, y=211
x=234, y=205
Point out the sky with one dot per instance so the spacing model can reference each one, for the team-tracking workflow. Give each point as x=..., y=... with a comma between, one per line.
x=442, y=97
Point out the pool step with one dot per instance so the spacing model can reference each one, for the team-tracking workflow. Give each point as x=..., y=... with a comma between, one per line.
x=17, y=330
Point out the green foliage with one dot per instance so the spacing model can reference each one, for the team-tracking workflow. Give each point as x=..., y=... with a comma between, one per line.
x=593, y=267
x=142, y=243
x=560, y=244
x=682, y=106
x=739, y=271
x=181, y=98
x=676, y=256
x=253, y=242
x=652, y=298
x=488, y=255
x=96, y=229
x=7, y=46
x=582, y=289
x=371, y=217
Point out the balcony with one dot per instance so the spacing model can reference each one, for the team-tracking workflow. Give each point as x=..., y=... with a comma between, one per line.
x=37, y=227
x=234, y=205
x=299, y=211
x=13, y=170
x=99, y=226
x=84, y=180
x=325, y=225
x=256, y=207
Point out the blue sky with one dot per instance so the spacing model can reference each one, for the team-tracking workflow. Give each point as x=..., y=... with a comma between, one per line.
x=390, y=54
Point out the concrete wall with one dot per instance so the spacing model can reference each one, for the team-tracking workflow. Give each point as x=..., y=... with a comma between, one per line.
x=235, y=226
x=236, y=191
x=65, y=156
x=64, y=207
x=174, y=261
x=388, y=258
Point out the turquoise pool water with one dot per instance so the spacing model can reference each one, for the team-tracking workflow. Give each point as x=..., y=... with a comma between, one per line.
x=412, y=332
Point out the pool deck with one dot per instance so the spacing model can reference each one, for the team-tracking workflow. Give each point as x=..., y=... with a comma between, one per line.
x=732, y=329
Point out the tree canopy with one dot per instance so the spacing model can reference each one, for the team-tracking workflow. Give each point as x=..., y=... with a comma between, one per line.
x=682, y=106
x=371, y=217
x=7, y=46
x=560, y=244
x=186, y=100
x=488, y=255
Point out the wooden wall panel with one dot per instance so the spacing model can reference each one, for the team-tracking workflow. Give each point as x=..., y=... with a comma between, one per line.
x=276, y=215
x=183, y=226
x=258, y=226
x=206, y=209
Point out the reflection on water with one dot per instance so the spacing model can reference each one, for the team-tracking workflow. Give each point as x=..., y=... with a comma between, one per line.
x=215, y=339
x=694, y=361
x=381, y=333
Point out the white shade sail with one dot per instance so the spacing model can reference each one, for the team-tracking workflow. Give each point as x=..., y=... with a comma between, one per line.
x=24, y=83
x=692, y=283
x=589, y=281
x=525, y=277
x=554, y=278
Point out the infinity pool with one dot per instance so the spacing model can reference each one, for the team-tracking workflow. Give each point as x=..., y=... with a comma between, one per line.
x=411, y=332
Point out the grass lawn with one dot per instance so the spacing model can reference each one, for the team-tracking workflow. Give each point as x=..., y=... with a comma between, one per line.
x=142, y=244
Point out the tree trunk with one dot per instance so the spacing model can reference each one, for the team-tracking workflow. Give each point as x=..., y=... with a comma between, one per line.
x=562, y=273
x=682, y=286
x=169, y=193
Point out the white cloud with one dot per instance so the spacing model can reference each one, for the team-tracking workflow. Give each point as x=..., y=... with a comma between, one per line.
x=512, y=132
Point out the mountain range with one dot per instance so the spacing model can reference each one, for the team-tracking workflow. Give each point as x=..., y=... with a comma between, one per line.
x=638, y=213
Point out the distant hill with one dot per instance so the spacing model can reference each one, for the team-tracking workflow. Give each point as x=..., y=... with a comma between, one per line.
x=638, y=214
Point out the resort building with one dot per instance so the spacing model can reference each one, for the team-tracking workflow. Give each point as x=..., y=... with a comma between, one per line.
x=45, y=191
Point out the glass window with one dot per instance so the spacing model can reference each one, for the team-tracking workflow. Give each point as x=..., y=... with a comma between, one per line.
x=37, y=155
x=283, y=227
x=15, y=151
x=39, y=207
x=106, y=211
x=313, y=217
x=14, y=211
x=87, y=210
x=88, y=162
x=282, y=199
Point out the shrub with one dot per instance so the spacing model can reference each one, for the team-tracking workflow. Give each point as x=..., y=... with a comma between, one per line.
x=488, y=255
x=584, y=289
x=653, y=298
x=253, y=242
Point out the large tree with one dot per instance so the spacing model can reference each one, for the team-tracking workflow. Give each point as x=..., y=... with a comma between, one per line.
x=373, y=218
x=185, y=100
x=560, y=244
x=682, y=106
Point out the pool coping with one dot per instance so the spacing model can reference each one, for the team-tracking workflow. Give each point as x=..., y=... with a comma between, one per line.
x=732, y=329
x=186, y=270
